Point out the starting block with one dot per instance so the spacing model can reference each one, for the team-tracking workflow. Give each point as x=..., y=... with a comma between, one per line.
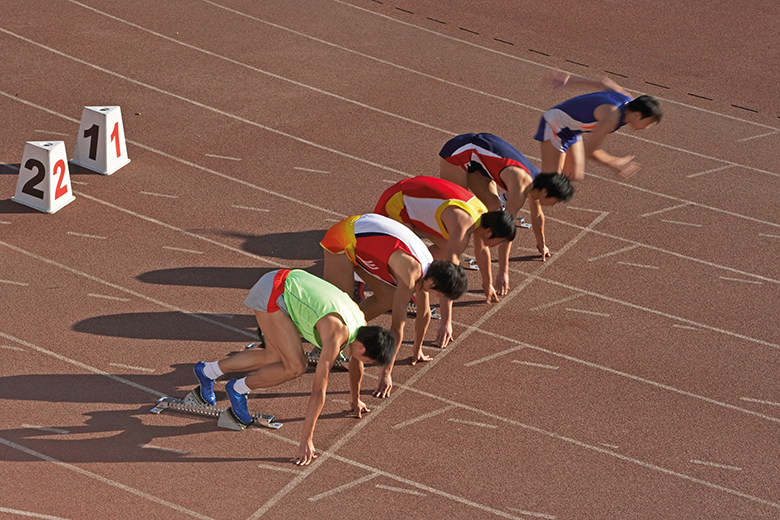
x=193, y=404
x=100, y=145
x=44, y=179
x=411, y=310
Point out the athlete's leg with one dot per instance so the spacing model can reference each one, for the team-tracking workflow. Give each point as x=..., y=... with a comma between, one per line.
x=453, y=173
x=574, y=165
x=339, y=270
x=552, y=158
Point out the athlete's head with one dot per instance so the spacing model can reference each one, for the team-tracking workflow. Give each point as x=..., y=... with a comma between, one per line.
x=447, y=278
x=378, y=342
x=500, y=223
x=559, y=188
x=648, y=110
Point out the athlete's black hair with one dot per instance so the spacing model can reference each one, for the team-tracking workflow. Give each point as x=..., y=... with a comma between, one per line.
x=500, y=223
x=379, y=343
x=556, y=184
x=648, y=106
x=448, y=278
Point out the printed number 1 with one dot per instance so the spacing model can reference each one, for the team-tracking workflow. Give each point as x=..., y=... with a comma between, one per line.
x=93, y=132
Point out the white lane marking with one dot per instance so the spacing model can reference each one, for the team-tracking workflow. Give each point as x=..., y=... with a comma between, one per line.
x=48, y=132
x=160, y=448
x=227, y=316
x=493, y=356
x=588, y=312
x=715, y=465
x=159, y=195
x=531, y=513
x=400, y=490
x=423, y=417
x=556, y=302
x=130, y=367
x=539, y=365
x=250, y=208
x=769, y=236
x=5, y=222
x=710, y=171
x=680, y=223
x=179, y=249
x=308, y=170
x=639, y=265
x=11, y=282
x=9, y=347
x=473, y=423
x=697, y=329
x=80, y=183
x=82, y=235
x=388, y=181
x=223, y=157
x=740, y=280
x=271, y=467
x=605, y=255
x=341, y=488
x=678, y=206
x=105, y=297
x=759, y=401
x=46, y=429
x=756, y=136
x=104, y=480
x=611, y=446
x=30, y=514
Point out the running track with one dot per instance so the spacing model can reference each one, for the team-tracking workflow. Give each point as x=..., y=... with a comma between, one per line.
x=633, y=375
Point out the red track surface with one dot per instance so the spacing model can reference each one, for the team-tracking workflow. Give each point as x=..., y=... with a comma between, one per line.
x=634, y=375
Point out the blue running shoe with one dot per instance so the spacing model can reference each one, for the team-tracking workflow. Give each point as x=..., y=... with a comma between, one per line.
x=238, y=404
x=206, y=384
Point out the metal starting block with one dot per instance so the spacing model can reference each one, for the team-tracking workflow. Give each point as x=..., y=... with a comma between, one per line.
x=314, y=356
x=193, y=404
x=470, y=264
x=411, y=310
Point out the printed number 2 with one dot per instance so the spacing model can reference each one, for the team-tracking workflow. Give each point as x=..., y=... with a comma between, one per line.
x=93, y=133
x=30, y=187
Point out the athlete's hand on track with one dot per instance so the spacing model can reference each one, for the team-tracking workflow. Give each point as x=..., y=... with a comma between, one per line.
x=384, y=386
x=305, y=454
x=556, y=79
x=627, y=167
x=361, y=408
x=445, y=335
x=502, y=288
x=544, y=252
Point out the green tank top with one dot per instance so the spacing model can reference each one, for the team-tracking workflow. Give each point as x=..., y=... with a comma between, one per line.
x=309, y=298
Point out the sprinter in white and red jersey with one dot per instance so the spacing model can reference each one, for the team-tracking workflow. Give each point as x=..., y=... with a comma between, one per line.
x=597, y=114
x=449, y=216
x=485, y=163
x=397, y=265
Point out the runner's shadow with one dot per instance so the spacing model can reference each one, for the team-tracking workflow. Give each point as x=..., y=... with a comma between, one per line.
x=175, y=326
x=222, y=277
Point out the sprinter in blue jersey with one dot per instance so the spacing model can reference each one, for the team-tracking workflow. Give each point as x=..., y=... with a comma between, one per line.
x=598, y=114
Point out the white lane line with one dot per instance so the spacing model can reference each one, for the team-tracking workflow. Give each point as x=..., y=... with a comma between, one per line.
x=82, y=235
x=756, y=137
x=341, y=488
x=271, y=467
x=223, y=157
x=588, y=312
x=556, y=302
x=80, y=183
x=30, y=514
x=493, y=356
x=159, y=195
x=473, y=423
x=759, y=401
x=179, y=249
x=388, y=181
x=46, y=429
x=48, y=132
x=639, y=265
x=678, y=206
x=769, y=236
x=9, y=347
x=731, y=165
x=160, y=448
x=251, y=208
x=531, y=513
x=605, y=255
x=5, y=222
x=104, y=480
x=216, y=315
x=538, y=365
x=680, y=223
x=697, y=329
x=756, y=282
x=11, y=282
x=105, y=297
x=308, y=170
x=423, y=417
x=611, y=446
x=714, y=465
x=400, y=490
x=130, y=367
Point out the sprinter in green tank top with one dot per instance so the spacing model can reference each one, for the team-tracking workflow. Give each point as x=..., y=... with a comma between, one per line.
x=289, y=304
